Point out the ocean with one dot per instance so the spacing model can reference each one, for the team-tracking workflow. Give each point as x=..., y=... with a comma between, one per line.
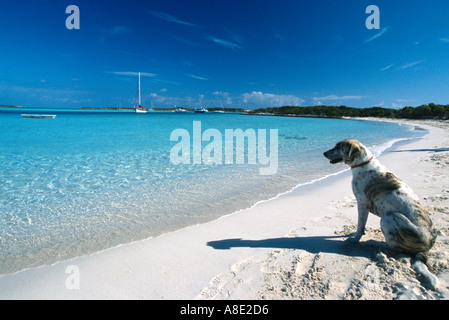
x=90, y=180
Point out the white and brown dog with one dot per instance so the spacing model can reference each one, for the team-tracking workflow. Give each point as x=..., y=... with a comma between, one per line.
x=405, y=223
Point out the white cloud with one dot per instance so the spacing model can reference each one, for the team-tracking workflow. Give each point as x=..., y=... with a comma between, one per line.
x=260, y=99
x=444, y=40
x=387, y=67
x=219, y=99
x=333, y=97
x=133, y=74
x=170, y=18
x=377, y=35
x=159, y=100
x=396, y=106
x=409, y=65
x=226, y=43
x=197, y=77
x=156, y=100
x=221, y=93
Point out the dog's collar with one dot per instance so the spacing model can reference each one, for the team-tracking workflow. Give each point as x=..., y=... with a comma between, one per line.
x=363, y=163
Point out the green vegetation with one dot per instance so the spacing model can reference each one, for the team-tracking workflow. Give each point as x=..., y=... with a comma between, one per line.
x=427, y=111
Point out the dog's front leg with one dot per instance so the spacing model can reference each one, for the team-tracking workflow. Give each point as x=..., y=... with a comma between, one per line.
x=363, y=217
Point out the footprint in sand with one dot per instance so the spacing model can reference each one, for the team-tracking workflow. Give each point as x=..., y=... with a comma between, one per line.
x=296, y=232
x=347, y=202
x=304, y=263
x=216, y=284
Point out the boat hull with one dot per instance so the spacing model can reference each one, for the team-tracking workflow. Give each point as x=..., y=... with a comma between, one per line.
x=38, y=116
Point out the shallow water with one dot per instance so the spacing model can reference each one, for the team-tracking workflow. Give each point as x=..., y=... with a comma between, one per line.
x=86, y=180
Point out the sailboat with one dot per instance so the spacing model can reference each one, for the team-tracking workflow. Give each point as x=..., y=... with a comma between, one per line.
x=202, y=110
x=222, y=109
x=138, y=103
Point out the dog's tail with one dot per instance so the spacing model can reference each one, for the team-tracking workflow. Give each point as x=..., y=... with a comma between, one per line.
x=419, y=265
x=420, y=260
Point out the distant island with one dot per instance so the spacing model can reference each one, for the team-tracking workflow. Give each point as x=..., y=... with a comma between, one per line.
x=10, y=106
x=108, y=108
x=167, y=109
x=426, y=111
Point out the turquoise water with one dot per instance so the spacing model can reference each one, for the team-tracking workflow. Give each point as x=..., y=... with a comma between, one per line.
x=87, y=181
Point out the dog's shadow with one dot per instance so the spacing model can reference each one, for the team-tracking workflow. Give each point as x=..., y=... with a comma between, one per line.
x=316, y=244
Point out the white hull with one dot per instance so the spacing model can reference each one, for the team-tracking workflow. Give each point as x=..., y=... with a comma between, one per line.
x=138, y=106
x=38, y=116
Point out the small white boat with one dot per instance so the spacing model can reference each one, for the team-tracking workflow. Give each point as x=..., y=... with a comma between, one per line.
x=38, y=116
x=138, y=107
x=178, y=109
x=222, y=109
x=202, y=110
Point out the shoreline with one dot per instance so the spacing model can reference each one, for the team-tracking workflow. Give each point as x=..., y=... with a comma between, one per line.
x=171, y=266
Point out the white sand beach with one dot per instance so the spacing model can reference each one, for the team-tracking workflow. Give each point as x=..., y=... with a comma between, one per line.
x=290, y=247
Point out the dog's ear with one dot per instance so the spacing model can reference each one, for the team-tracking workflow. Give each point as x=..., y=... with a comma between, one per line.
x=354, y=151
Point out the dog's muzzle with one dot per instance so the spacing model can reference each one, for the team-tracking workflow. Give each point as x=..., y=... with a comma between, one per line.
x=330, y=154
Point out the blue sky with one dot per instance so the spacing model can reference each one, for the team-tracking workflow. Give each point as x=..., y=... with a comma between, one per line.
x=235, y=53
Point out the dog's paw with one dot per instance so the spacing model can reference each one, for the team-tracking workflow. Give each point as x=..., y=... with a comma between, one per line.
x=353, y=239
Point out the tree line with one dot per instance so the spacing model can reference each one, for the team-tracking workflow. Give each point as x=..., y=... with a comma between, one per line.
x=426, y=111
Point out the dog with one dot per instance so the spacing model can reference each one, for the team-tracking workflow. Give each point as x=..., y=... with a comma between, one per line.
x=405, y=223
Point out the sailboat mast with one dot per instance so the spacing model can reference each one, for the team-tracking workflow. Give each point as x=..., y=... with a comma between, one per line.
x=139, y=92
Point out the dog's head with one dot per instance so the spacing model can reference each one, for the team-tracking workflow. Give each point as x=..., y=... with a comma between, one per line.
x=350, y=151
